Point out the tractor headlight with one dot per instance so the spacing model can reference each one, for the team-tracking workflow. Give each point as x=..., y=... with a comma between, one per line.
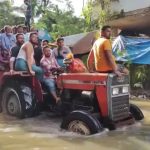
x=115, y=91
x=125, y=89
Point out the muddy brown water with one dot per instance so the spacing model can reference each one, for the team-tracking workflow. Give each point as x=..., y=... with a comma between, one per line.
x=43, y=133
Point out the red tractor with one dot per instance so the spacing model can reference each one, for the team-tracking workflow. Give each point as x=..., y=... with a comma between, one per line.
x=90, y=101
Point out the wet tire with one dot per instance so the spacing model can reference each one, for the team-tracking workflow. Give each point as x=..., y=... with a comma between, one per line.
x=18, y=101
x=136, y=112
x=82, y=123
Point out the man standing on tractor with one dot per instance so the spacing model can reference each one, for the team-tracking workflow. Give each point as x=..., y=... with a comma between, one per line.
x=15, y=50
x=28, y=14
x=101, y=58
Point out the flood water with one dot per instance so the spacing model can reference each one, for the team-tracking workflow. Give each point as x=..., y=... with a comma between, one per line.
x=43, y=133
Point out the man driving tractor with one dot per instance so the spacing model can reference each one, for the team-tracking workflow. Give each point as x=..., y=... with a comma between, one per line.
x=101, y=58
x=48, y=62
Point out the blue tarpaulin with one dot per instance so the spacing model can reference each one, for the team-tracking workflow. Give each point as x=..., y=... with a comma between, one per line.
x=135, y=50
x=43, y=35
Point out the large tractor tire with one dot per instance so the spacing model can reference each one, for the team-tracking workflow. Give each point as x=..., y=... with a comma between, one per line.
x=81, y=122
x=136, y=112
x=18, y=100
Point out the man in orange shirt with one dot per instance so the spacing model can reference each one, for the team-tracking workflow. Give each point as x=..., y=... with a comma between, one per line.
x=101, y=56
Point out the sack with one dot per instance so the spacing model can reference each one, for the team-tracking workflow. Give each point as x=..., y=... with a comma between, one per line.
x=77, y=66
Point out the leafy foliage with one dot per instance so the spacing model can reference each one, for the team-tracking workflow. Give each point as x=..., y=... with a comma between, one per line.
x=61, y=22
x=6, y=15
x=140, y=74
x=97, y=13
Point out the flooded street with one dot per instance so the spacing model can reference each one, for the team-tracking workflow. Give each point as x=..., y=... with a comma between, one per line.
x=41, y=133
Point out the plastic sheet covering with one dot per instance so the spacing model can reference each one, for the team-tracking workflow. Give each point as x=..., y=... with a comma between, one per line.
x=77, y=66
x=132, y=49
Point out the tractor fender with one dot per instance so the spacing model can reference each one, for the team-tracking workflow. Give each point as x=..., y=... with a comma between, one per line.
x=88, y=119
x=32, y=81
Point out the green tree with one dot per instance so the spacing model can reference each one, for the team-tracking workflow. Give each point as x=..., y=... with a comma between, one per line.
x=96, y=13
x=61, y=22
x=6, y=15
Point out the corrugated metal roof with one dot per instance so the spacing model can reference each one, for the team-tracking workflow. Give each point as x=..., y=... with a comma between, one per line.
x=138, y=20
x=81, y=43
x=85, y=44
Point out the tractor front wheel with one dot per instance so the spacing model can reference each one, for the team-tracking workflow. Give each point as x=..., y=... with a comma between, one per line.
x=136, y=112
x=81, y=122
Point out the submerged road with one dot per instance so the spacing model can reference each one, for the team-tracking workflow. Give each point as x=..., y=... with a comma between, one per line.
x=43, y=133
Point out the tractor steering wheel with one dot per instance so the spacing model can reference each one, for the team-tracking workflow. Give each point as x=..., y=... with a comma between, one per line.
x=57, y=71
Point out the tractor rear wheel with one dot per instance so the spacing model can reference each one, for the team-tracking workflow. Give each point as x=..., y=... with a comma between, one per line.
x=18, y=100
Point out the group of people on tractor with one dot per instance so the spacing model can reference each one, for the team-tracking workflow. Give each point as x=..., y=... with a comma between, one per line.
x=33, y=56
x=39, y=59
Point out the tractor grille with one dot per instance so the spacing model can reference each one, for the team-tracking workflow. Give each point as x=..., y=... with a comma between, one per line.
x=120, y=108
